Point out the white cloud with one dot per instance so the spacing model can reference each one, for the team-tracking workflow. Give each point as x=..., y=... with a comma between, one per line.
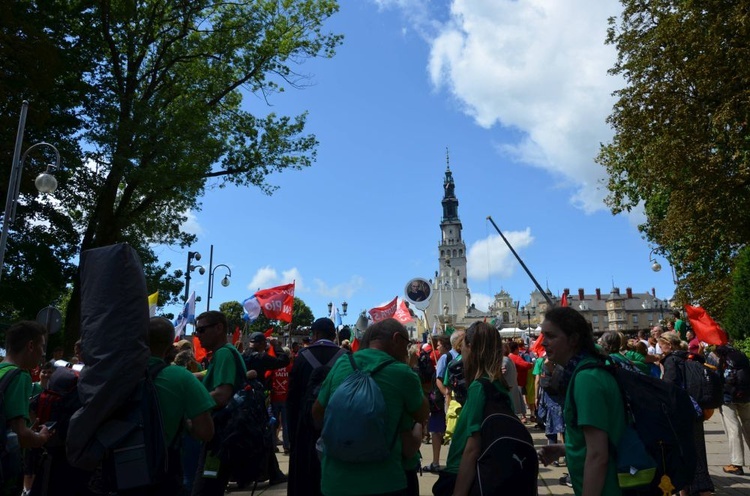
x=537, y=67
x=268, y=277
x=191, y=224
x=481, y=301
x=491, y=257
x=341, y=290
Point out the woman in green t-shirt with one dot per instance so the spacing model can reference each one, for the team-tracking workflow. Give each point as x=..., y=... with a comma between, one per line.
x=482, y=353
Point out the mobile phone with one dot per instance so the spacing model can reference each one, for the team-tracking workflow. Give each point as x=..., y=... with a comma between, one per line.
x=50, y=425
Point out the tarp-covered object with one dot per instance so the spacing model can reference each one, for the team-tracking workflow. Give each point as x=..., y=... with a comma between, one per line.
x=114, y=342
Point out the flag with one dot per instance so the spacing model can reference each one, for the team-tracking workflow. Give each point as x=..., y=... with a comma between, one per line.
x=187, y=316
x=355, y=344
x=385, y=312
x=153, y=299
x=537, y=346
x=434, y=328
x=335, y=316
x=705, y=328
x=402, y=314
x=277, y=303
x=200, y=352
x=268, y=333
x=564, y=300
x=236, y=335
x=251, y=308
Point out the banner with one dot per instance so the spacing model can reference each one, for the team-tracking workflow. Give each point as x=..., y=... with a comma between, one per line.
x=187, y=316
x=252, y=309
x=705, y=328
x=403, y=314
x=277, y=303
x=385, y=312
x=153, y=299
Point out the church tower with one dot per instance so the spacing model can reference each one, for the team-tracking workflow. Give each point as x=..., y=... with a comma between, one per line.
x=451, y=298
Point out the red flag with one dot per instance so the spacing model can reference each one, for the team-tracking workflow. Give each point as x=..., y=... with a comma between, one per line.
x=385, y=312
x=564, y=300
x=236, y=335
x=271, y=352
x=705, y=328
x=200, y=352
x=537, y=346
x=268, y=333
x=355, y=345
x=277, y=303
x=402, y=313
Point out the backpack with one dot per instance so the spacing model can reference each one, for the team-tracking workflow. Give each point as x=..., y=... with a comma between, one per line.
x=456, y=380
x=355, y=418
x=554, y=383
x=508, y=462
x=10, y=451
x=243, y=434
x=425, y=368
x=314, y=383
x=136, y=454
x=737, y=377
x=703, y=383
x=660, y=419
x=57, y=404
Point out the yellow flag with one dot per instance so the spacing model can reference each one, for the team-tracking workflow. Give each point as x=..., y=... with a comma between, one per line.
x=152, y=300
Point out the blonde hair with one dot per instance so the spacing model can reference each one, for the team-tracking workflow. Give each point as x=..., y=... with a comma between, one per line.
x=485, y=352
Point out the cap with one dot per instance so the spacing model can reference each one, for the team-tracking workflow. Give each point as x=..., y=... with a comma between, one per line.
x=323, y=326
x=694, y=346
x=427, y=347
x=257, y=337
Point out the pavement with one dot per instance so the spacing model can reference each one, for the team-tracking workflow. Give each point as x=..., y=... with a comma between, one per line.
x=716, y=447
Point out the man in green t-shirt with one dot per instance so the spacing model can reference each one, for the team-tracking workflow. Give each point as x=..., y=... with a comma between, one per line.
x=24, y=349
x=225, y=376
x=402, y=392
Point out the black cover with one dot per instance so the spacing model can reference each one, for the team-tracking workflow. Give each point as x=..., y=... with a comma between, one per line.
x=703, y=384
x=508, y=463
x=114, y=341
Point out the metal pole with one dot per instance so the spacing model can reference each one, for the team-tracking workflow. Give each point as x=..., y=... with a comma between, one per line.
x=15, y=177
x=549, y=300
x=210, y=278
x=187, y=276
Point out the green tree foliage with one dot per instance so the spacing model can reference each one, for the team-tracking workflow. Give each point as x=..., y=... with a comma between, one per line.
x=233, y=311
x=158, y=107
x=681, y=143
x=737, y=318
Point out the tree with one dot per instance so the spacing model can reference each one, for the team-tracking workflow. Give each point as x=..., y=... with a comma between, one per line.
x=737, y=318
x=681, y=146
x=161, y=112
x=233, y=311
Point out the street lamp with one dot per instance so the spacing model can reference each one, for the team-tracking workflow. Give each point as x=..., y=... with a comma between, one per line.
x=224, y=282
x=344, y=307
x=655, y=266
x=45, y=182
x=192, y=255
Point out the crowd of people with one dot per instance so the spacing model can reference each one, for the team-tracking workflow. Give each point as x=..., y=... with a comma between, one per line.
x=354, y=423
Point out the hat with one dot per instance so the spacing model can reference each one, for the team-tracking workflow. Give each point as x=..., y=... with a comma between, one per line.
x=257, y=337
x=323, y=326
x=694, y=346
x=427, y=347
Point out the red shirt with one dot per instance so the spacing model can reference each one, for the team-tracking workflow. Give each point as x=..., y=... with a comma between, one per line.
x=522, y=367
x=280, y=384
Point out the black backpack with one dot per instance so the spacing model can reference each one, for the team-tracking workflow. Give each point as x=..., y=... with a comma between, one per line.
x=663, y=417
x=317, y=376
x=736, y=368
x=10, y=456
x=554, y=383
x=703, y=383
x=508, y=462
x=425, y=368
x=457, y=381
x=243, y=437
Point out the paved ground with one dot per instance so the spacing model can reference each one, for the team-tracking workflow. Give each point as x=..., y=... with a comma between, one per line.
x=716, y=447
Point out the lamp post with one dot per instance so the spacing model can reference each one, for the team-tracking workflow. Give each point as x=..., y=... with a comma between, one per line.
x=192, y=255
x=45, y=182
x=211, y=272
x=344, y=307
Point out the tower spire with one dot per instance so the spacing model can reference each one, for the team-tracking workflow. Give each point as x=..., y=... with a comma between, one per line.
x=447, y=159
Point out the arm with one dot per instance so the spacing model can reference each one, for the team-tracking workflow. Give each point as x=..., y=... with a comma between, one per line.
x=467, y=469
x=411, y=441
x=318, y=412
x=423, y=413
x=222, y=394
x=202, y=427
x=26, y=437
x=597, y=455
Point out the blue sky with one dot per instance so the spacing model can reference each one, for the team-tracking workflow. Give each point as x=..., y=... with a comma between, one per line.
x=517, y=91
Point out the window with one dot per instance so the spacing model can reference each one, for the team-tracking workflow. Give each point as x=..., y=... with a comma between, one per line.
x=635, y=319
x=619, y=315
x=506, y=318
x=460, y=253
x=595, y=319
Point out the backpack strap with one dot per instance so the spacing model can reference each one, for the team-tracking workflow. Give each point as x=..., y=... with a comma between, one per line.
x=571, y=386
x=308, y=355
x=491, y=392
x=374, y=371
x=8, y=377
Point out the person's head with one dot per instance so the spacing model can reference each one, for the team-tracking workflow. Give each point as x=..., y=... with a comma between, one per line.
x=24, y=343
x=323, y=328
x=211, y=328
x=457, y=340
x=676, y=315
x=390, y=336
x=295, y=347
x=482, y=349
x=689, y=336
x=513, y=346
x=46, y=372
x=183, y=344
x=641, y=348
x=566, y=333
x=656, y=331
x=610, y=341
x=443, y=344
x=257, y=341
x=694, y=347
x=160, y=336
x=642, y=335
x=669, y=341
x=346, y=344
x=57, y=353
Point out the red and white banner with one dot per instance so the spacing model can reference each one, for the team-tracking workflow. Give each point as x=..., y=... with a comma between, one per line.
x=387, y=311
x=403, y=314
x=277, y=303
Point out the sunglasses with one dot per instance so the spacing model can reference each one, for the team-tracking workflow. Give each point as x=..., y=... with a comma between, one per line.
x=202, y=329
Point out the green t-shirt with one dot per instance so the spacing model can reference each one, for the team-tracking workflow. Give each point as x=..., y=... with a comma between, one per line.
x=181, y=396
x=16, y=400
x=402, y=392
x=36, y=388
x=538, y=366
x=599, y=404
x=223, y=369
x=681, y=328
x=469, y=422
x=638, y=360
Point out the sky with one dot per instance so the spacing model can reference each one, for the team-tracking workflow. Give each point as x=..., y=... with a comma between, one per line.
x=518, y=94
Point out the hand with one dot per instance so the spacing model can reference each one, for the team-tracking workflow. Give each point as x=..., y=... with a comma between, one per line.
x=550, y=453
x=44, y=433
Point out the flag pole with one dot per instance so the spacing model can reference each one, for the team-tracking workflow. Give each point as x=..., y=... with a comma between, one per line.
x=549, y=300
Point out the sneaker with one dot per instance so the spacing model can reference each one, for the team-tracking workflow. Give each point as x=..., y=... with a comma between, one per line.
x=433, y=468
x=734, y=470
x=565, y=480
